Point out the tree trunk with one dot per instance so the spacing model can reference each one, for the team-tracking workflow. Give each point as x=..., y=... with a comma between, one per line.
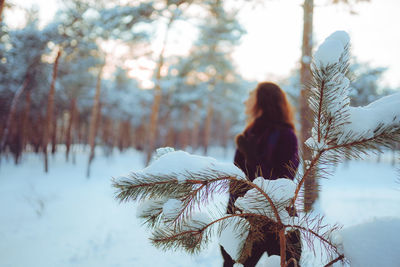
x=94, y=121
x=48, y=129
x=153, y=129
x=25, y=120
x=11, y=113
x=310, y=184
x=2, y=2
x=15, y=137
x=121, y=136
x=128, y=134
x=207, y=126
x=140, y=132
x=226, y=136
x=36, y=137
x=54, y=134
x=184, y=135
x=170, y=136
x=108, y=138
x=71, y=119
x=196, y=126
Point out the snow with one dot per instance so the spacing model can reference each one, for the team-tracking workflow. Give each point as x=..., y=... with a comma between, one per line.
x=91, y=15
x=329, y=52
x=273, y=261
x=364, y=120
x=372, y=243
x=331, y=49
x=162, y=151
x=171, y=208
x=178, y=163
x=64, y=219
x=280, y=191
x=198, y=221
x=149, y=206
x=341, y=36
x=364, y=197
x=232, y=239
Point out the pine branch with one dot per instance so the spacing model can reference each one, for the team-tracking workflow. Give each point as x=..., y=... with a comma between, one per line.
x=190, y=240
x=271, y=203
x=151, y=213
x=193, y=239
x=383, y=136
x=200, y=195
x=313, y=228
x=309, y=170
x=194, y=191
x=333, y=152
x=139, y=186
x=320, y=110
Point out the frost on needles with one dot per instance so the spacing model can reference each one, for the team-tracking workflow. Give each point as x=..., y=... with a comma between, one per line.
x=176, y=192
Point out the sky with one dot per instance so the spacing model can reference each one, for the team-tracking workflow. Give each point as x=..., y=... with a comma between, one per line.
x=272, y=46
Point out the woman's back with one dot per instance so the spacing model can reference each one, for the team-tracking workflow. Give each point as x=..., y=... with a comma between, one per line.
x=267, y=148
x=269, y=151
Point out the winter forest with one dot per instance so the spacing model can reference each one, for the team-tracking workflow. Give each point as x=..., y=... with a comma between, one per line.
x=118, y=122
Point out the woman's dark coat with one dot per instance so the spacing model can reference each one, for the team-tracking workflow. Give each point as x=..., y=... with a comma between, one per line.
x=271, y=151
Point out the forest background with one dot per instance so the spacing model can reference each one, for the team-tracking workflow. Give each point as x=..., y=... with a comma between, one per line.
x=147, y=74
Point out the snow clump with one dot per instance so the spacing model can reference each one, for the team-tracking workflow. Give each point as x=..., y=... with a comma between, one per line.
x=331, y=49
x=180, y=163
x=280, y=191
x=364, y=120
x=171, y=208
x=149, y=207
x=375, y=243
x=233, y=240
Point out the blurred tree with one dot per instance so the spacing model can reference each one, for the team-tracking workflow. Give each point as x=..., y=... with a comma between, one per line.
x=120, y=22
x=70, y=33
x=311, y=187
x=2, y=2
x=365, y=83
x=211, y=63
x=21, y=52
x=124, y=104
x=172, y=11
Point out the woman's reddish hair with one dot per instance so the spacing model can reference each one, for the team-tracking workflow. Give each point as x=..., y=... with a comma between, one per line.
x=271, y=106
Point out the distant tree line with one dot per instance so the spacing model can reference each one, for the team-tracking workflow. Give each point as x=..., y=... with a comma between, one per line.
x=56, y=86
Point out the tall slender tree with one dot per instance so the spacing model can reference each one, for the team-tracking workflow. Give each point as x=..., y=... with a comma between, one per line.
x=311, y=186
x=2, y=2
x=49, y=125
x=94, y=120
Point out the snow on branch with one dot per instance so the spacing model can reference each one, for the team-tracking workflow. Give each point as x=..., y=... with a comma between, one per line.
x=341, y=131
x=173, y=175
x=280, y=191
x=337, y=125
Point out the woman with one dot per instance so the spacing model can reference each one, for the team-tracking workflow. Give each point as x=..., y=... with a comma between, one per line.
x=267, y=148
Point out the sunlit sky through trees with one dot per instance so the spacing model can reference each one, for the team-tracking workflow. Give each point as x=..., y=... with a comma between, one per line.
x=272, y=46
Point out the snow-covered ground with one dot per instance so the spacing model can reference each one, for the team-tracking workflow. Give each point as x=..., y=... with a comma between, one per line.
x=64, y=219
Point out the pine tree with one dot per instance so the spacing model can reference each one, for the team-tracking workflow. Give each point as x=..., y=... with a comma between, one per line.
x=176, y=188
